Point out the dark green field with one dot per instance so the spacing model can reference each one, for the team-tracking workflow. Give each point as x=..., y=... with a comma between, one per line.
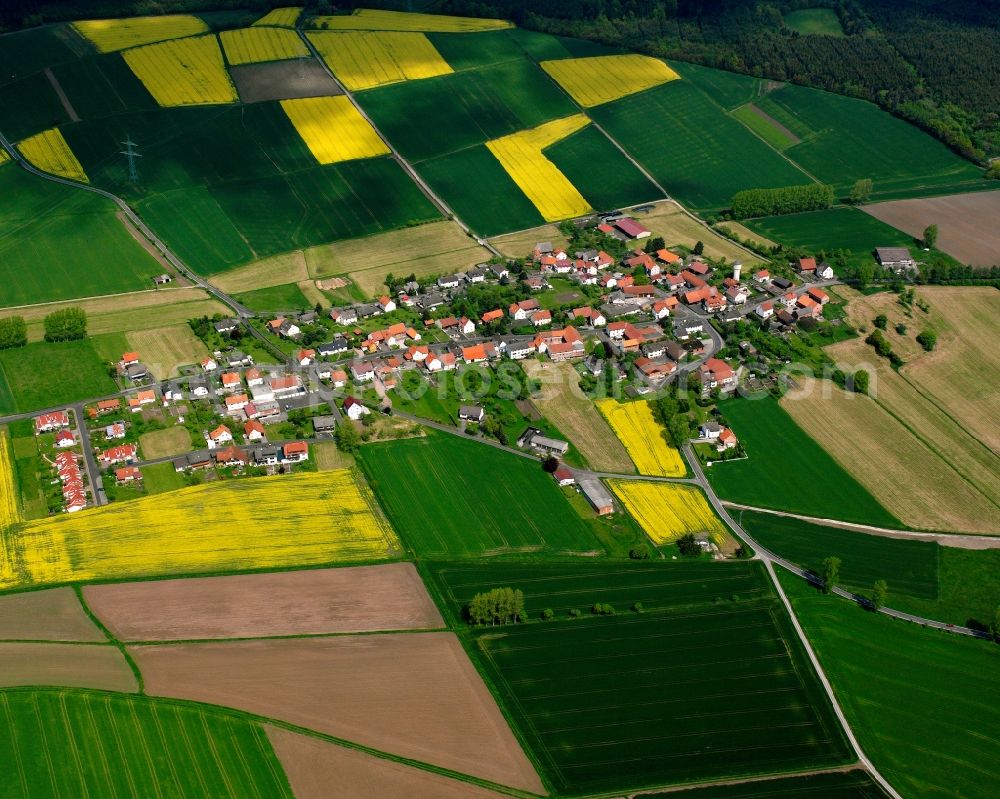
x=924, y=704
x=690, y=689
x=728, y=89
x=448, y=497
x=81, y=743
x=286, y=297
x=58, y=243
x=836, y=229
x=474, y=50
x=788, y=470
x=45, y=375
x=693, y=147
x=102, y=85
x=843, y=785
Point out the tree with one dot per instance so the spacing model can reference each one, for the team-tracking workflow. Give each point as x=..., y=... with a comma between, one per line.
x=860, y=383
x=995, y=625
x=861, y=191
x=346, y=437
x=550, y=464
x=927, y=339
x=930, y=236
x=688, y=546
x=879, y=592
x=831, y=573
x=901, y=329
x=13, y=332
x=881, y=321
x=69, y=324
x=699, y=248
x=548, y=613
x=655, y=244
x=497, y=606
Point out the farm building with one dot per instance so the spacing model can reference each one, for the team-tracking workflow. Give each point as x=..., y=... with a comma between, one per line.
x=533, y=439
x=897, y=259
x=597, y=495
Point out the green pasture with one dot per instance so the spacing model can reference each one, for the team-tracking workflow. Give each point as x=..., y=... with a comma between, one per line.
x=29, y=106
x=844, y=228
x=922, y=702
x=814, y=21
x=44, y=375
x=161, y=477
x=286, y=297
x=787, y=470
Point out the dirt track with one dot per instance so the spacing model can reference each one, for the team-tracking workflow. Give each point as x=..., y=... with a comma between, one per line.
x=357, y=599
x=52, y=615
x=410, y=694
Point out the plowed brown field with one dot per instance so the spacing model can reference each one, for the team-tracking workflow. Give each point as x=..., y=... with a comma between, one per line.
x=52, y=615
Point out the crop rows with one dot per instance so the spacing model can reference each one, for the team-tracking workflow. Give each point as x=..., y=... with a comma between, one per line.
x=334, y=129
x=593, y=81
x=366, y=19
x=281, y=17
x=364, y=59
x=110, y=35
x=254, y=45
x=9, y=514
x=183, y=72
x=666, y=511
x=49, y=152
x=635, y=426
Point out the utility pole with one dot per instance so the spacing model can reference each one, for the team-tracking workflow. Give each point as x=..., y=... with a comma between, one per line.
x=130, y=153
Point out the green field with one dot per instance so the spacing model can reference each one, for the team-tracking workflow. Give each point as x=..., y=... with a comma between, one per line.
x=27, y=52
x=474, y=50
x=161, y=477
x=788, y=470
x=841, y=785
x=286, y=297
x=814, y=21
x=102, y=85
x=765, y=128
x=728, y=89
x=58, y=243
x=615, y=703
x=45, y=375
x=448, y=497
x=924, y=704
x=81, y=743
x=692, y=147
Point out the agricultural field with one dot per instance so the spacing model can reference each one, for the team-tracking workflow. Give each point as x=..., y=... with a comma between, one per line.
x=10, y=514
x=258, y=44
x=366, y=19
x=286, y=297
x=854, y=784
x=642, y=437
x=165, y=349
x=965, y=221
x=599, y=80
x=563, y=403
x=814, y=22
x=910, y=479
x=283, y=80
x=414, y=695
x=281, y=17
x=728, y=89
x=797, y=476
x=240, y=527
x=101, y=666
x=765, y=126
x=104, y=744
x=164, y=443
x=72, y=372
x=183, y=72
x=111, y=35
x=903, y=687
x=366, y=59
x=744, y=232
x=667, y=511
x=354, y=599
x=333, y=129
x=49, y=152
x=678, y=228
x=574, y=686
x=51, y=615
x=450, y=497
x=522, y=242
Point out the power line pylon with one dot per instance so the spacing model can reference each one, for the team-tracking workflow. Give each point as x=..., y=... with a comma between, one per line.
x=130, y=153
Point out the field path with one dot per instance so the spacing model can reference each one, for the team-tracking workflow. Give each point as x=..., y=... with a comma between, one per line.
x=74, y=117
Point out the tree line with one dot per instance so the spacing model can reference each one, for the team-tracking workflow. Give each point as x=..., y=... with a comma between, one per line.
x=67, y=324
x=784, y=200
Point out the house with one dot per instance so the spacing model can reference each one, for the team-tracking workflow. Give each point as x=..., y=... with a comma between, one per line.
x=236, y=358
x=107, y=406
x=500, y=271
x=786, y=317
x=597, y=495
x=295, y=452
x=354, y=409
x=541, y=318
x=161, y=280
x=219, y=436
x=492, y=316
x=662, y=308
x=324, y=425
x=335, y=347
x=471, y=413
x=520, y=310
x=818, y=295
x=716, y=373
x=806, y=266
x=673, y=282
x=231, y=381
x=198, y=388
x=477, y=275
x=48, y=422
x=824, y=271
x=517, y=350
x=123, y=453
x=653, y=349
x=589, y=315
x=65, y=438
x=669, y=258
x=533, y=439
x=449, y=282
x=209, y=364
x=631, y=229
x=254, y=377
x=338, y=377
x=386, y=303
x=224, y=326
x=236, y=403
x=561, y=345
x=536, y=283
x=727, y=440
x=253, y=430
x=765, y=310
x=232, y=456
x=782, y=283
x=563, y=476
x=344, y=316
x=710, y=430
x=114, y=431
x=474, y=354
x=127, y=474
x=267, y=456
x=431, y=301
x=674, y=351
x=466, y=326
x=762, y=276
x=737, y=295
x=193, y=460
x=129, y=359
x=286, y=386
x=136, y=402
x=699, y=268
x=714, y=302
x=655, y=370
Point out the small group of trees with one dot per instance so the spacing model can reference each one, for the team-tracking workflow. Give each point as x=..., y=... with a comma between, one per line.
x=830, y=578
x=927, y=339
x=861, y=191
x=785, y=200
x=497, y=606
x=13, y=332
x=689, y=546
x=68, y=324
x=883, y=347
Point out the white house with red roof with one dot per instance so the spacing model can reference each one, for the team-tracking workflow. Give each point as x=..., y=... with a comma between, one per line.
x=218, y=437
x=355, y=409
x=65, y=438
x=253, y=430
x=123, y=453
x=716, y=373
x=48, y=422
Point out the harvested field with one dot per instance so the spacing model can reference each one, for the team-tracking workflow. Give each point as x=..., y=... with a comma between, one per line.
x=163, y=443
x=667, y=219
x=414, y=695
x=601, y=79
x=520, y=244
x=312, y=602
x=861, y=310
x=745, y=233
x=283, y=80
x=275, y=271
x=68, y=665
x=967, y=223
x=312, y=765
x=164, y=349
x=908, y=478
x=564, y=404
x=365, y=59
x=110, y=35
x=52, y=615
x=261, y=44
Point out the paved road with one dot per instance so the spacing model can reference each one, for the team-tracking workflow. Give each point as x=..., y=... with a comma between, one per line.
x=89, y=461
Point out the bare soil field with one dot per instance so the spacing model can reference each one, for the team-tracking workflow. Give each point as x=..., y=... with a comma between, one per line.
x=289, y=267
x=314, y=601
x=522, y=243
x=563, y=403
x=66, y=665
x=967, y=223
x=668, y=220
x=165, y=349
x=283, y=80
x=313, y=765
x=163, y=443
x=910, y=479
x=51, y=615
x=411, y=694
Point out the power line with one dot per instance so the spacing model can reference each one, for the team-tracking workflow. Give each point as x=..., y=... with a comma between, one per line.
x=130, y=153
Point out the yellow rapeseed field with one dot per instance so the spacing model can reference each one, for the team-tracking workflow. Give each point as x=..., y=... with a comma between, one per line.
x=601, y=79
x=4, y=158
x=667, y=511
x=254, y=45
x=635, y=426
x=281, y=17
x=49, y=151
x=266, y=522
x=364, y=59
x=183, y=72
x=333, y=129
x=110, y=35
x=549, y=190
x=9, y=514
x=366, y=19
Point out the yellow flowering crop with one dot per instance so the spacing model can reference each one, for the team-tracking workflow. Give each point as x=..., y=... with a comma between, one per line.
x=253, y=45
x=367, y=19
x=281, y=17
x=9, y=514
x=4, y=158
x=49, y=151
x=549, y=190
x=267, y=522
x=183, y=72
x=667, y=511
x=333, y=129
x=601, y=79
x=362, y=59
x=110, y=35
x=636, y=428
